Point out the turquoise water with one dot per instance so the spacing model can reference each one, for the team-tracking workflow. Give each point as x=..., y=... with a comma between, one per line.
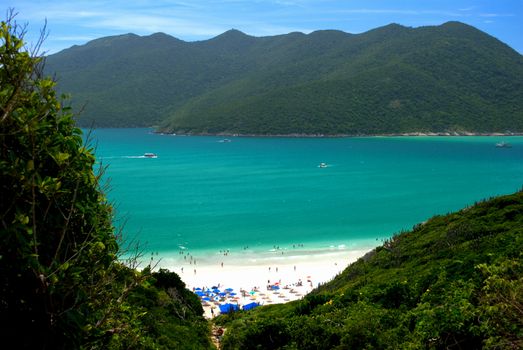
x=205, y=195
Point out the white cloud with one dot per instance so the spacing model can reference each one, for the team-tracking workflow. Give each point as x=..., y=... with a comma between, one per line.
x=402, y=12
x=150, y=23
x=496, y=15
x=74, y=38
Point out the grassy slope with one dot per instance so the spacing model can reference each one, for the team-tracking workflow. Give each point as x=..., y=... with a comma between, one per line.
x=452, y=282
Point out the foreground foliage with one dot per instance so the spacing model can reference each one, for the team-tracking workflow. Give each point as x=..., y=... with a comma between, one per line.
x=454, y=282
x=58, y=250
x=62, y=285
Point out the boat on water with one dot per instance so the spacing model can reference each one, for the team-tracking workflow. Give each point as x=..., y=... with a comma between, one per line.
x=224, y=140
x=322, y=165
x=150, y=155
x=503, y=144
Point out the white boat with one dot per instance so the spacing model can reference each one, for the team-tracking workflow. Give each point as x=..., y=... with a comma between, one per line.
x=322, y=165
x=150, y=155
x=224, y=140
x=503, y=144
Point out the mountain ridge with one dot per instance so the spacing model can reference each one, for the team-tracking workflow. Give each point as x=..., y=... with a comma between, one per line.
x=392, y=79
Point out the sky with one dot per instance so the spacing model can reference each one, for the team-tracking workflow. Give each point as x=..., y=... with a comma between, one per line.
x=75, y=22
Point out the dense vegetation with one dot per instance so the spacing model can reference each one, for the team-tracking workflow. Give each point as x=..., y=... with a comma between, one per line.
x=454, y=282
x=392, y=79
x=63, y=284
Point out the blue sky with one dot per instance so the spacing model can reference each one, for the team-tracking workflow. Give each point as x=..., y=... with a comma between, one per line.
x=74, y=22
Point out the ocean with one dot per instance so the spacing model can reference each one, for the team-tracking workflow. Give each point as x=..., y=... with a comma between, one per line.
x=261, y=194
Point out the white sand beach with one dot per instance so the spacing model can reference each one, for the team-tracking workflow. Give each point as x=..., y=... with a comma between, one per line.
x=268, y=278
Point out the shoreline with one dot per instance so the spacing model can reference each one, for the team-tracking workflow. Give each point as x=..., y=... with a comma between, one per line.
x=260, y=278
x=300, y=135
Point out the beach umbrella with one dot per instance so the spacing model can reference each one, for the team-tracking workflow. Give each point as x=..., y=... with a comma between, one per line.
x=216, y=298
x=222, y=294
x=212, y=294
x=250, y=306
x=206, y=299
x=275, y=287
x=200, y=294
x=216, y=290
x=252, y=292
x=198, y=288
x=226, y=308
x=233, y=294
x=229, y=290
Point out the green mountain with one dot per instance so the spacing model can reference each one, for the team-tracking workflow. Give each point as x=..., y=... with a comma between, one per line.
x=391, y=79
x=454, y=282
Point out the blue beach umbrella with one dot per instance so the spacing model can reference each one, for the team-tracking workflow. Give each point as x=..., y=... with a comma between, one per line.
x=198, y=288
x=222, y=294
x=229, y=290
x=206, y=299
x=250, y=306
x=200, y=294
x=226, y=308
x=232, y=294
x=275, y=287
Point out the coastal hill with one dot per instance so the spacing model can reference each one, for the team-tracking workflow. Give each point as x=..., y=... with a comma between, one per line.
x=454, y=282
x=393, y=79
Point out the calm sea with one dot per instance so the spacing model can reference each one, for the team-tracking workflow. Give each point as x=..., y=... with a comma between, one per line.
x=205, y=195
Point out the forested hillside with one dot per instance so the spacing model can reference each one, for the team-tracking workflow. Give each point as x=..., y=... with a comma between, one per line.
x=392, y=79
x=454, y=282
